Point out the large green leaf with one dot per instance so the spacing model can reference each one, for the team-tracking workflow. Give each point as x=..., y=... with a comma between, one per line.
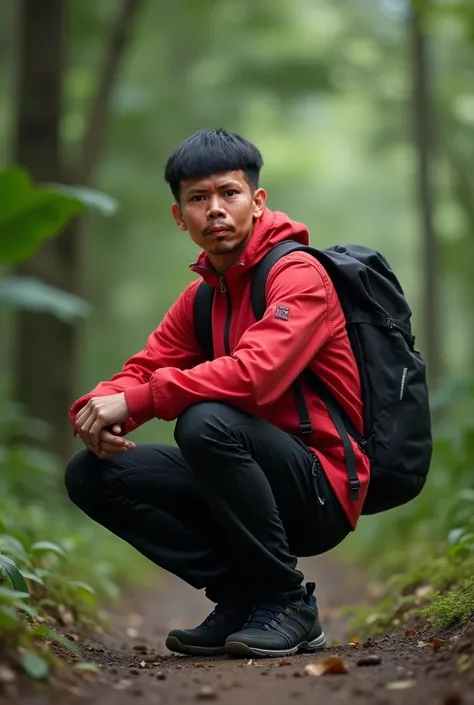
x=11, y=573
x=30, y=214
x=47, y=547
x=34, y=295
x=90, y=198
x=35, y=665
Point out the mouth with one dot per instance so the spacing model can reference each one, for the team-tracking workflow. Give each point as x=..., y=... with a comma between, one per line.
x=218, y=231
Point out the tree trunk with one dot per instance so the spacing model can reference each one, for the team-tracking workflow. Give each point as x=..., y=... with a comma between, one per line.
x=423, y=135
x=46, y=348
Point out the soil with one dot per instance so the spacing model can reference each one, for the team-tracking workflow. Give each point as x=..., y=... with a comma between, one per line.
x=413, y=668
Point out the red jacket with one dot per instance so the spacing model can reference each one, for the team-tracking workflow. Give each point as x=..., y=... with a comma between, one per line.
x=264, y=357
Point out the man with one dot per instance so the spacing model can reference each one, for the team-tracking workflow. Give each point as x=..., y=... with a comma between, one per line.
x=241, y=496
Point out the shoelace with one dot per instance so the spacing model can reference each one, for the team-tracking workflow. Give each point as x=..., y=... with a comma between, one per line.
x=215, y=614
x=263, y=614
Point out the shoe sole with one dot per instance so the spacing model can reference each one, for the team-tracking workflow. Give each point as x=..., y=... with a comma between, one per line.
x=177, y=646
x=237, y=649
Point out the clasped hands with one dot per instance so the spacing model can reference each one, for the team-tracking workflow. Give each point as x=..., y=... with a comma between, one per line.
x=98, y=424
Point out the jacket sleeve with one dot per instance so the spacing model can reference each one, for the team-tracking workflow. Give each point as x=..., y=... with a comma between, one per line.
x=270, y=355
x=172, y=345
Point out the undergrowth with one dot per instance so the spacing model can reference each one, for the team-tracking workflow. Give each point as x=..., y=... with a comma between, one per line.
x=56, y=565
x=420, y=557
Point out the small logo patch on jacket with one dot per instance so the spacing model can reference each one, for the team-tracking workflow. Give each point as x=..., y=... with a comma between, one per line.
x=282, y=312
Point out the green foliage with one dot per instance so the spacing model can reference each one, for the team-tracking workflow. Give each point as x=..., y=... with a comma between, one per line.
x=29, y=214
x=422, y=555
x=453, y=607
x=55, y=564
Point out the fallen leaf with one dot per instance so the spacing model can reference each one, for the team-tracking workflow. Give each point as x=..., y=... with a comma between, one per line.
x=142, y=648
x=329, y=666
x=123, y=684
x=72, y=637
x=401, y=685
x=134, y=620
x=67, y=617
x=423, y=591
x=249, y=662
x=435, y=644
x=463, y=663
x=206, y=693
x=142, y=664
x=284, y=662
x=7, y=675
x=369, y=660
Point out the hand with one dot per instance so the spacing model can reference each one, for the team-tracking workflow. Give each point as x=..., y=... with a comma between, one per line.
x=98, y=413
x=110, y=443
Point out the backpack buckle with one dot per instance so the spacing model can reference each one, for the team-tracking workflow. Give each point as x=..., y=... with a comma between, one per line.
x=355, y=488
x=306, y=428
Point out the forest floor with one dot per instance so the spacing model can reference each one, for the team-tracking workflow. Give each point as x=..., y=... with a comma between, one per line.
x=135, y=665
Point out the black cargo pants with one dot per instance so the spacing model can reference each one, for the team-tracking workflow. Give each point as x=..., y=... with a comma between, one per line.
x=229, y=509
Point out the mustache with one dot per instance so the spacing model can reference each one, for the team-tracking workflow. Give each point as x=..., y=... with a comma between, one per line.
x=216, y=224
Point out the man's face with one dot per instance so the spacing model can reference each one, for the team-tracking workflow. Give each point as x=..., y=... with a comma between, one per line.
x=219, y=212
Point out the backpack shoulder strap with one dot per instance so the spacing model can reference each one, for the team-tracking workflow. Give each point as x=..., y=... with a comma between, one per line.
x=262, y=270
x=203, y=319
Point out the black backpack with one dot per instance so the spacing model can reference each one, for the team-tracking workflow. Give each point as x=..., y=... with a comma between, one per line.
x=397, y=422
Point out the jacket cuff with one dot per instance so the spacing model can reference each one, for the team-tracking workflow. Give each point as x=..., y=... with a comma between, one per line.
x=140, y=403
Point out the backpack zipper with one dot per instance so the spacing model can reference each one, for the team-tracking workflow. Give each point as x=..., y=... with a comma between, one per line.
x=224, y=290
x=316, y=470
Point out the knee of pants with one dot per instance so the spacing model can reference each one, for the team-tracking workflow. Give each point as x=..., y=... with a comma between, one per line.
x=81, y=472
x=203, y=423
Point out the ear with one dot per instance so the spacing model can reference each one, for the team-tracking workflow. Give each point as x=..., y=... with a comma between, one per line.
x=178, y=216
x=259, y=202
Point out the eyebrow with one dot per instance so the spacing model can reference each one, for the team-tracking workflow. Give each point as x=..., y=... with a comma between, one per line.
x=227, y=184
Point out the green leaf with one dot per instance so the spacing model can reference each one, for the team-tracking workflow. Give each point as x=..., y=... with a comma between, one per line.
x=86, y=591
x=12, y=596
x=34, y=295
x=28, y=575
x=45, y=546
x=50, y=634
x=82, y=586
x=29, y=214
x=10, y=544
x=90, y=198
x=88, y=668
x=35, y=665
x=9, y=617
x=11, y=573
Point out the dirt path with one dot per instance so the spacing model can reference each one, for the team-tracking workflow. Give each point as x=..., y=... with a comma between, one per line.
x=397, y=670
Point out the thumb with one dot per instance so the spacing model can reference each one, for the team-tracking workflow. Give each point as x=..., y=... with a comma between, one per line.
x=116, y=428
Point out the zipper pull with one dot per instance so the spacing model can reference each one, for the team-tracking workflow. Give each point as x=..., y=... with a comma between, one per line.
x=315, y=470
x=223, y=286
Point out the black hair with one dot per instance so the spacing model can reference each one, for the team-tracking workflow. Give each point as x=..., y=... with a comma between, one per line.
x=212, y=151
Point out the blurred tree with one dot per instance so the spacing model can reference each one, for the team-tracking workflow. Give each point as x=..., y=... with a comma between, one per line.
x=423, y=134
x=45, y=347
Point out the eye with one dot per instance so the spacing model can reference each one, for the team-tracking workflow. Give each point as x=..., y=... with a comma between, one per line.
x=231, y=192
x=197, y=198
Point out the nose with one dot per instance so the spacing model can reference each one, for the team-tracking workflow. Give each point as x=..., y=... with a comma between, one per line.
x=216, y=209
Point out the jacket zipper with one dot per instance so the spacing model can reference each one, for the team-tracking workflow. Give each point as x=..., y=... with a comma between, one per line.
x=225, y=291
x=316, y=471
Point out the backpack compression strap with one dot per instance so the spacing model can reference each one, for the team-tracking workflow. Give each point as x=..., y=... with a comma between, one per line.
x=203, y=319
x=338, y=416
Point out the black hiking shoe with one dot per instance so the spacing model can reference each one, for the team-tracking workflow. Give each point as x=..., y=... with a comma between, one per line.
x=208, y=639
x=279, y=630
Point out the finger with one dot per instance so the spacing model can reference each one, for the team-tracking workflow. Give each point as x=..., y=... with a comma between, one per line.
x=82, y=419
x=95, y=430
x=83, y=413
x=116, y=428
x=110, y=449
x=107, y=437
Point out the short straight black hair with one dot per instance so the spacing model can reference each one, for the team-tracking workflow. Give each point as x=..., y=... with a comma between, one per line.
x=211, y=151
